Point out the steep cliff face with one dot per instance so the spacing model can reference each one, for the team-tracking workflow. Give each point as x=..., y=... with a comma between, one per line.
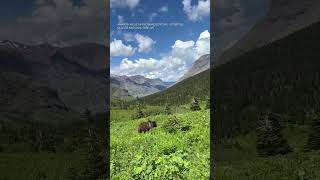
x=202, y=64
x=283, y=18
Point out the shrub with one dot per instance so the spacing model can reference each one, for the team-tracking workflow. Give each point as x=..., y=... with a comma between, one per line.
x=314, y=135
x=270, y=140
x=167, y=109
x=172, y=125
x=195, y=105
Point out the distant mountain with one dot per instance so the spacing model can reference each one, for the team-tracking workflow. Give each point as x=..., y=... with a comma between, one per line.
x=182, y=92
x=132, y=86
x=74, y=75
x=283, y=18
x=202, y=64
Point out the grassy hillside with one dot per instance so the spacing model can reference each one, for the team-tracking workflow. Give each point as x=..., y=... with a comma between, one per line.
x=46, y=145
x=31, y=166
x=182, y=92
x=169, y=151
x=237, y=159
x=282, y=77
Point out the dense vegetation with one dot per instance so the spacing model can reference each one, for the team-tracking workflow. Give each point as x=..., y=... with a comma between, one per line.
x=52, y=145
x=182, y=92
x=178, y=148
x=280, y=78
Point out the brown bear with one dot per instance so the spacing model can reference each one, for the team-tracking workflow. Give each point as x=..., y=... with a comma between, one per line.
x=146, y=126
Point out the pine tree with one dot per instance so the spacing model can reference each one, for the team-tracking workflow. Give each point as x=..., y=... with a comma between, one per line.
x=313, y=142
x=93, y=164
x=207, y=102
x=51, y=143
x=195, y=105
x=167, y=109
x=270, y=140
x=139, y=113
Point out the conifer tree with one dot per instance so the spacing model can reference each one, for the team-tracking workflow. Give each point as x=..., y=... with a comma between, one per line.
x=167, y=109
x=195, y=105
x=139, y=113
x=207, y=102
x=51, y=143
x=93, y=165
x=270, y=140
x=313, y=142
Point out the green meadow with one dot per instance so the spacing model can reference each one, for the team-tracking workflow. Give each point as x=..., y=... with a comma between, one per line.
x=178, y=148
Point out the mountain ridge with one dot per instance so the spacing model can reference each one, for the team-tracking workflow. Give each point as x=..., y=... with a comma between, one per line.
x=79, y=84
x=283, y=18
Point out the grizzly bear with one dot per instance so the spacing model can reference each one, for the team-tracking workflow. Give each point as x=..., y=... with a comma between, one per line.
x=146, y=126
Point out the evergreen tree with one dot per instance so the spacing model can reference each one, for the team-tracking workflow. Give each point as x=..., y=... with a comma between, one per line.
x=313, y=142
x=195, y=105
x=207, y=102
x=167, y=109
x=93, y=164
x=139, y=113
x=270, y=140
x=88, y=117
x=51, y=143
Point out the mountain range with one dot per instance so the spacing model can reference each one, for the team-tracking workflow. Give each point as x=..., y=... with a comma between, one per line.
x=133, y=86
x=45, y=77
x=284, y=17
x=200, y=65
x=124, y=87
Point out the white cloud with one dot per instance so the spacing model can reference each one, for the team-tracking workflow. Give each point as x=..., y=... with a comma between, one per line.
x=203, y=43
x=124, y=3
x=129, y=37
x=196, y=12
x=59, y=22
x=163, y=9
x=120, y=19
x=171, y=66
x=117, y=48
x=145, y=43
x=152, y=16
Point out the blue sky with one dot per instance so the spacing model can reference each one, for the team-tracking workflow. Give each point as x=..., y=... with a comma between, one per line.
x=157, y=47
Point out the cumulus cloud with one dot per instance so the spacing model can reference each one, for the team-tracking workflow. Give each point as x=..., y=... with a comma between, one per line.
x=129, y=37
x=120, y=19
x=145, y=43
x=203, y=43
x=171, y=66
x=59, y=22
x=124, y=3
x=196, y=12
x=152, y=16
x=163, y=9
x=117, y=48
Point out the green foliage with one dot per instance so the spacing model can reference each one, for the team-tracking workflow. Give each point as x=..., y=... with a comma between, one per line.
x=207, y=102
x=314, y=135
x=163, y=167
x=180, y=93
x=36, y=165
x=195, y=106
x=172, y=125
x=167, y=109
x=283, y=75
x=159, y=154
x=139, y=113
x=270, y=140
x=291, y=166
x=93, y=165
